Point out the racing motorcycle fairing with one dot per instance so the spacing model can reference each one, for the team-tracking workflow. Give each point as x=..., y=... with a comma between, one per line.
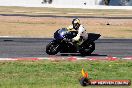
x=93, y=36
x=60, y=43
x=64, y=33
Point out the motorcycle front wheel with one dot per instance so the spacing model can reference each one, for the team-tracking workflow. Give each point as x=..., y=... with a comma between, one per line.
x=52, y=48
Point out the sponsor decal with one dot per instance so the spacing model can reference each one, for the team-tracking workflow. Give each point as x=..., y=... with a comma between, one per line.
x=86, y=81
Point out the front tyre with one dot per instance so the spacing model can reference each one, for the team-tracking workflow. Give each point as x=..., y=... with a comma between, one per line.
x=52, y=48
x=87, y=48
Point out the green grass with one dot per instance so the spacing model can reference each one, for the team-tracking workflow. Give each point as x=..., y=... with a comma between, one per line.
x=62, y=74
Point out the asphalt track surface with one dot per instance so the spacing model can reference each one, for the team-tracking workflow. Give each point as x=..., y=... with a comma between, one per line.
x=35, y=47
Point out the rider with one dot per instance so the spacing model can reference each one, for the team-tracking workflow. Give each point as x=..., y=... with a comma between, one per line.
x=76, y=25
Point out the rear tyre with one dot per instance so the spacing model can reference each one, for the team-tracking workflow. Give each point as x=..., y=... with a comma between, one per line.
x=52, y=48
x=87, y=48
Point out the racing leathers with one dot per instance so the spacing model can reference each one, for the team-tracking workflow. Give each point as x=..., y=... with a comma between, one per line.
x=81, y=33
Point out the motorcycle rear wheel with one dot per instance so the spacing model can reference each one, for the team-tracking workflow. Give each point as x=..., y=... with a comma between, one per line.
x=87, y=48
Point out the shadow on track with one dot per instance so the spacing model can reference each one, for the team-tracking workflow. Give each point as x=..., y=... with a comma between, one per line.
x=82, y=55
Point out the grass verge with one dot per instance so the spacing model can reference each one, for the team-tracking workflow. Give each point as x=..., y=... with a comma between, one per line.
x=62, y=74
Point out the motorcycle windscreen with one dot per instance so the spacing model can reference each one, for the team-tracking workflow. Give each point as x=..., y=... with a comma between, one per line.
x=60, y=34
x=93, y=36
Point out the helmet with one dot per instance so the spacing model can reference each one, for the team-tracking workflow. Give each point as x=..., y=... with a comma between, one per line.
x=76, y=23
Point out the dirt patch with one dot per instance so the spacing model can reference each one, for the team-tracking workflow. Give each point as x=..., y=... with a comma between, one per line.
x=63, y=12
x=46, y=26
x=24, y=26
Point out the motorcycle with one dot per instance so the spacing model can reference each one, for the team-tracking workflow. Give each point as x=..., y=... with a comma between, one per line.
x=62, y=43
